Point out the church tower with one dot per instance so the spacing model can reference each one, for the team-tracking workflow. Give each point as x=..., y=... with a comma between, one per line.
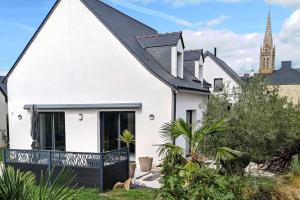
x=267, y=51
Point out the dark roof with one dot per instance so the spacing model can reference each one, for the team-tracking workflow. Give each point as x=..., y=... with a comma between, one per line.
x=159, y=40
x=126, y=30
x=224, y=66
x=189, y=71
x=286, y=75
x=193, y=55
x=3, y=87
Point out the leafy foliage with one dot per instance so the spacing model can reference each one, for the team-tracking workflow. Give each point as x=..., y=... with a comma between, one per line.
x=17, y=185
x=258, y=121
x=188, y=178
x=295, y=167
x=58, y=187
x=195, y=137
x=127, y=137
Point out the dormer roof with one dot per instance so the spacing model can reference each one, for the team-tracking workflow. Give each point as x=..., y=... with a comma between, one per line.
x=159, y=40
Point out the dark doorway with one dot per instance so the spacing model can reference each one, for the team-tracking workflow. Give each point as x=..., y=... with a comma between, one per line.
x=52, y=131
x=112, y=125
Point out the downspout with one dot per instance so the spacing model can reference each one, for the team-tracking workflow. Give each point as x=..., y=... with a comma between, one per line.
x=174, y=95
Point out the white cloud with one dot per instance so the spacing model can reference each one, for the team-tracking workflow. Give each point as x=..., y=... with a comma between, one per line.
x=171, y=18
x=181, y=3
x=241, y=51
x=217, y=21
x=18, y=25
x=285, y=2
x=3, y=72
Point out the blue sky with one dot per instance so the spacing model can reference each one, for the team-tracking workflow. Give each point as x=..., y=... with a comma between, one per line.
x=198, y=18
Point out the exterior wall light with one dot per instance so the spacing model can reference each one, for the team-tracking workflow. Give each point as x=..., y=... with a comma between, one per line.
x=151, y=117
x=20, y=117
x=80, y=117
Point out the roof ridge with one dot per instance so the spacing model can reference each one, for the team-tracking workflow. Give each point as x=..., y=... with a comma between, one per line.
x=193, y=50
x=100, y=1
x=158, y=34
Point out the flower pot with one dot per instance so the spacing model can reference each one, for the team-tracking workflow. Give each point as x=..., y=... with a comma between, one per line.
x=132, y=167
x=145, y=163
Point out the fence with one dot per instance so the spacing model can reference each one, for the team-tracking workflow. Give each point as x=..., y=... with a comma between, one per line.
x=100, y=170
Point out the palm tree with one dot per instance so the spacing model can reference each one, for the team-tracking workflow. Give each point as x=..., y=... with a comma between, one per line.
x=195, y=138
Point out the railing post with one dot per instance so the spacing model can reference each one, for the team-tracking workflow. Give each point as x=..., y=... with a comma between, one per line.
x=4, y=157
x=128, y=162
x=49, y=164
x=101, y=172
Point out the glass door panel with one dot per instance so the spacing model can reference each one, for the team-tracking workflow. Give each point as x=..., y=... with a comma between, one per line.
x=52, y=131
x=112, y=126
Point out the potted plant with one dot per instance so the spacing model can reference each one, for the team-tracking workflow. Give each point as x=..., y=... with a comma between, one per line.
x=128, y=138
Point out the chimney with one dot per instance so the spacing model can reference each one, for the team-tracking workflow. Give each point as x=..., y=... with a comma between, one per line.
x=215, y=51
x=286, y=64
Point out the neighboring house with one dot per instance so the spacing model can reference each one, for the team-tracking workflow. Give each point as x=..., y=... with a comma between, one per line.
x=219, y=74
x=3, y=112
x=288, y=81
x=93, y=72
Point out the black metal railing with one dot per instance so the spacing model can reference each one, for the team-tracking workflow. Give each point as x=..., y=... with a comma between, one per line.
x=101, y=170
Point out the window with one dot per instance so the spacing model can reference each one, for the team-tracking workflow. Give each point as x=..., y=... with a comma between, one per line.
x=218, y=85
x=52, y=131
x=112, y=126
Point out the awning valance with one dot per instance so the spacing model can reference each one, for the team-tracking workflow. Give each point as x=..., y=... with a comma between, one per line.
x=103, y=106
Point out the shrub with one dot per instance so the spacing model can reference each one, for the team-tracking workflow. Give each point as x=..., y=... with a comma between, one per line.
x=295, y=167
x=258, y=121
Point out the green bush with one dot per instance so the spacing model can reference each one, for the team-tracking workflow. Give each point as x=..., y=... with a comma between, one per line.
x=258, y=188
x=295, y=167
x=258, y=121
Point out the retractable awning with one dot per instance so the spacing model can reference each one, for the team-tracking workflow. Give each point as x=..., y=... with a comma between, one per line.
x=103, y=106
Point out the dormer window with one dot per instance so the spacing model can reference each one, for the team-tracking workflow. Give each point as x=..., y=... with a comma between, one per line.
x=179, y=65
x=218, y=85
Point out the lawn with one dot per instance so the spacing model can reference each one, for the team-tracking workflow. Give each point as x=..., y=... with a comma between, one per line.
x=134, y=194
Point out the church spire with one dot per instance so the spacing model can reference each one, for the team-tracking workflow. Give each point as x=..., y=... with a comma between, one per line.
x=267, y=51
x=268, y=34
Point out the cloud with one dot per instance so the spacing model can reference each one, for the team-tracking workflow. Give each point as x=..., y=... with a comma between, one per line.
x=181, y=3
x=292, y=3
x=217, y=21
x=3, y=72
x=241, y=51
x=152, y=12
x=18, y=25
x=210, y=23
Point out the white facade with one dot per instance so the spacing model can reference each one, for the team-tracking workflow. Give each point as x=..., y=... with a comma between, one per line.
x=212, y=70
x=75, y=59
x=3, y=123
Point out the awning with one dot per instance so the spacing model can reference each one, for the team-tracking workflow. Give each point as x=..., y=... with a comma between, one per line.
x=105, y=106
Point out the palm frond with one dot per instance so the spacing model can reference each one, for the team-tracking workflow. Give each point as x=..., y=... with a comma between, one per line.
x=216, y=127
x=127, y=137
x=225, y=153
x=57, y=186
x=15, y=184
x=174, y=129
x=169, y=148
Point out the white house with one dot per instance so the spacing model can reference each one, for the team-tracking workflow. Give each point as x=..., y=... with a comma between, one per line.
x=3, y=113
x=219, y=74
x=93, y=72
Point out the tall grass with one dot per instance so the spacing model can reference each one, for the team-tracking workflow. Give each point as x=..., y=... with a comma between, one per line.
x=295, y=167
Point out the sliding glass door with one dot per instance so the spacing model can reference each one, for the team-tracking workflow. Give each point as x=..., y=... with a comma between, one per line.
x=52, y=131
x=112, y=126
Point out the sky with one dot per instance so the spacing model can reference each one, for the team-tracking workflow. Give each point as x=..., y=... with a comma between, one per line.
x=235, y=27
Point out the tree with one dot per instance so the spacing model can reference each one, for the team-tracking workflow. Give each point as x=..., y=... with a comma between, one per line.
x=258, y=120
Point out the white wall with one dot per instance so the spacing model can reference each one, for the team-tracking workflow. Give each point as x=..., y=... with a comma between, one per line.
x=190, y=101
x=76, y=60
x=3, y=113
x=212, y=70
